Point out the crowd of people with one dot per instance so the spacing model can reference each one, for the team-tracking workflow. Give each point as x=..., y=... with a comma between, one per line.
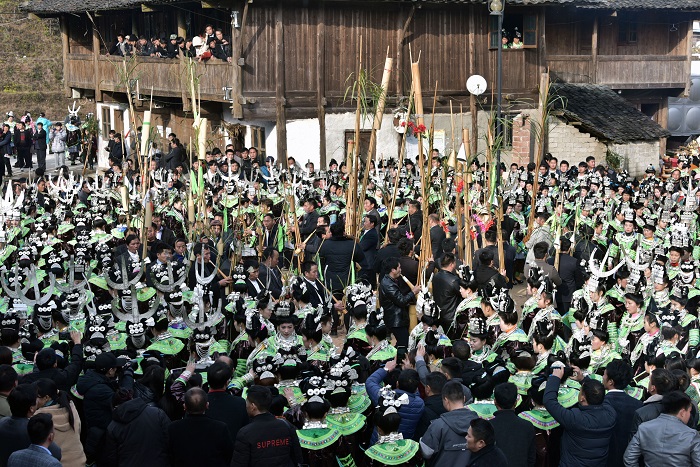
x=230, y=313
x=212, y=44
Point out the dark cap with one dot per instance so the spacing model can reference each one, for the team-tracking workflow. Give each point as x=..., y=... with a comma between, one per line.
x=105, y=361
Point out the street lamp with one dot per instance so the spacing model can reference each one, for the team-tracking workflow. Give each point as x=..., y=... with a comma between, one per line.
x=496, y=8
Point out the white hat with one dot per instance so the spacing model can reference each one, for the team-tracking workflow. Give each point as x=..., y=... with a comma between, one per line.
x=197, y=41
x=10, y=114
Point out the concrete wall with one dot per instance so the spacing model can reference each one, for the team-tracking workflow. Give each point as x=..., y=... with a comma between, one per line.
x=566, y=142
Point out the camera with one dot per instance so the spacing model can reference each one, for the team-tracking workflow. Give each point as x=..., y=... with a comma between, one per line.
x=64, y=336
x=568, y=371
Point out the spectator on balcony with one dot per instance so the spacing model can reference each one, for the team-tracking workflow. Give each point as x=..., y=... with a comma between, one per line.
x=171, y=47
x=186, y=48
x=175, y=157
x=224, y=41
x=217, y=51
x=160, y=46
x=145, y=48
x=131, y=41
x=209, y=33
x=120, y=47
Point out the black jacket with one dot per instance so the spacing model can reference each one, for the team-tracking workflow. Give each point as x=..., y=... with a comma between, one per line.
x=199, y=440
x=571, y=278
x=389, y=251
x=337, y=255
x=265, y=442
x=308, y=224
x=174, y=158
x=433, y=410
x=23, y=138
x=489, y=456
x=446, y=294
x=14, y=436
x=5, y=143
x=394, y=302
x=64, y=378
x=515, y=437
x=368, y=243
x=228, y=409
x=484, y=274
x=137, y=428
x=625, y=406
x=437, y=235
x=40, y=140
x=97, y=391
x=271, y=280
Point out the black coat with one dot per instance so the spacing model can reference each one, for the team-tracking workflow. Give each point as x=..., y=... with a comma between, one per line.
x=389, y=251
x=97, y=391
x=415, y=225
x=515, y=437
x=5, y=143
x=40, y=140
x=308, y=224
x=368, y=243
x=489, y=456
x=625, y=406
x=64, y=378
x=136, y=426
x=337, y=255
x=484, y=274
x=14, y=436
x=437, y=235
x=394, y=302
x=447, y=296
x=21, y=143
x=199, y=440
x=174, y=158
x=265, y=442
x=433, y=410
x=571, y=278
x=271, y=279
x=228, y=409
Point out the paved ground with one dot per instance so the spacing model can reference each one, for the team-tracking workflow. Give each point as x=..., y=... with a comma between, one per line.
x=50, y=167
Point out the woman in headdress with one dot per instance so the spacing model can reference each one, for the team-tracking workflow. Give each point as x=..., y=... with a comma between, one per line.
x=548, y=433
x=321, y=445
x=467, y=308
x=357, y=335
x=312, y=339
x=285, y=322
x=377, y=332
x=524, y=362
x=511, y=337
x=545, y=311
x=534, y=281
x=647, y=343
x=478, y=340
x=631, y=324
x=391, y=449
x=542, y=343
x=493, y=321
x=602, y=353
x=241, y=347
x=690, y=335
x=342, y=377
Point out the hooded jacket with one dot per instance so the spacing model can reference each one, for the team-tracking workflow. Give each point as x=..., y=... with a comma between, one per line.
x=65, y=436
x=445, y=442
x=137, y=429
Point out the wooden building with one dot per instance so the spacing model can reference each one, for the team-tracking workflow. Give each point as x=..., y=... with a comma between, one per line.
x=292, y=61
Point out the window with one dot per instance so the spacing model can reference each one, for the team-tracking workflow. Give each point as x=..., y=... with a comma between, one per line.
x=522, y=26
x=106, y=121
x=507, y=128
x=627, y=32
x=257, y=139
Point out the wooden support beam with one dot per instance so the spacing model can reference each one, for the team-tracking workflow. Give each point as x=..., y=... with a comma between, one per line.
x=688, y=57
x=237, y=75
x=474, y=139
x=594, y=52
x=181, y=24
x=281, y=120
x=321, y=83
x=96, y=65
x=64, y=45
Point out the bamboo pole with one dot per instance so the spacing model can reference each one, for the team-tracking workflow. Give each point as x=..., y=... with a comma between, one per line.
x=456, y=177
x=376, y=126
x=402, y=154
x=539, y=153
x=351, y=210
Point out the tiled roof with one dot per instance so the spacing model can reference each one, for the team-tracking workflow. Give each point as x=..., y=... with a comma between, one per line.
x=603, y=113
x=49, y=7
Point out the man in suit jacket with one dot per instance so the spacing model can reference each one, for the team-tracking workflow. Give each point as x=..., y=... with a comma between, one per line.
x=163, y=233
x=269, y=273
x=308, y=223
x=368, y=243
x=568, y=270
x=198, y=439
x=40, y=429
x=14, y=431
x=514, y=435
x=437, y=234
x=617, y=376
x=540, y=253
x=40, y=145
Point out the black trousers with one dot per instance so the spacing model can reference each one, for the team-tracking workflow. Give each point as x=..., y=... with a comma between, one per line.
x=24, y=157
x=41, y=159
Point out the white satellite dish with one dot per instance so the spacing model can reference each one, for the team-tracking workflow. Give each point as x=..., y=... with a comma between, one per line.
x=476, y=84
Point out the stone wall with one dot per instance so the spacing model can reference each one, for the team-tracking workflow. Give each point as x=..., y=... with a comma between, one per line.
x=637, y=156
x=566, y=142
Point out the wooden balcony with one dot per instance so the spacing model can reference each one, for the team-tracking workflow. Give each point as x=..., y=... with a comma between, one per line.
x=622, y=71
x=167, y=77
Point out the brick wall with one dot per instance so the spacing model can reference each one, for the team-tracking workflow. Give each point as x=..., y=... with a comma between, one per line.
x=566, y=142
x=520, y=152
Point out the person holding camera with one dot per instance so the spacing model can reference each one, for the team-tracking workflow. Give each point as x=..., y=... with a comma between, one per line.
x=46, y=362
x=588, y=426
